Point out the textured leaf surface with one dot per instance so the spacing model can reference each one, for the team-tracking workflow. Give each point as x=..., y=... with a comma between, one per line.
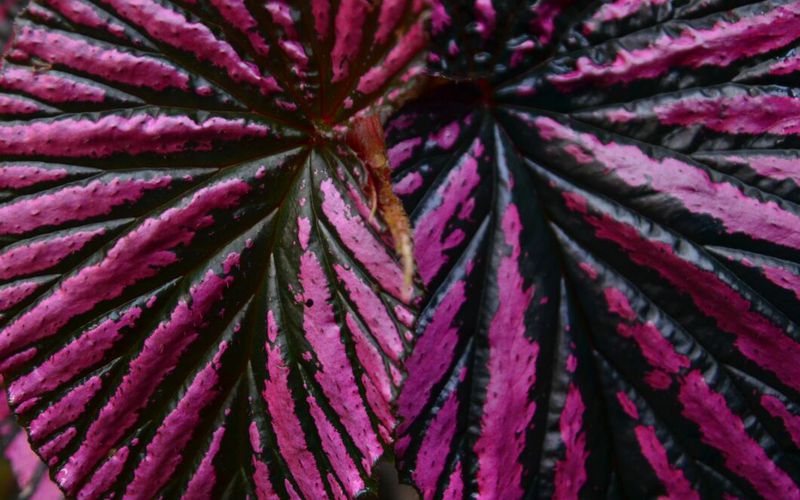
x=195, y=300
x=28, y=474
x=610, y=242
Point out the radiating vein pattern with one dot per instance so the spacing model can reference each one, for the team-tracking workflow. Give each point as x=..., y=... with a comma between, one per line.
x=608, y=233
x=195, y=298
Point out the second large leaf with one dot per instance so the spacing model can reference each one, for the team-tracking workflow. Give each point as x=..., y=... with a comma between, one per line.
x=608, y=225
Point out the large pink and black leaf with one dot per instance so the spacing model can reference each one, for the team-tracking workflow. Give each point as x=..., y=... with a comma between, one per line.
x=609, y=244
x=195, y=298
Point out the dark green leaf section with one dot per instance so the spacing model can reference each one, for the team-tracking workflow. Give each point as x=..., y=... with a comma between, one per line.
x=609, y=238
x=195, y=298
x=8, y=10
x=493, y=40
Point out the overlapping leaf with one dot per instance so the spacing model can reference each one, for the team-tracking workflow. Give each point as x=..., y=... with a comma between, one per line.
x=196, y=301
x=609, y=239
x=29, y=472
